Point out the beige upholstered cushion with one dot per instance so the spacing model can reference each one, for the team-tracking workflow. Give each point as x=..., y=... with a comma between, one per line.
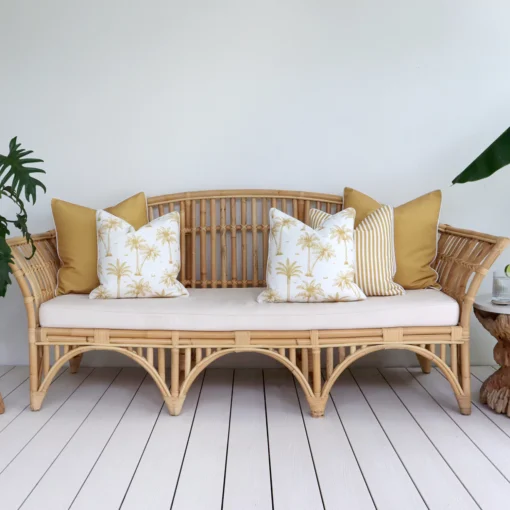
x=237, y=309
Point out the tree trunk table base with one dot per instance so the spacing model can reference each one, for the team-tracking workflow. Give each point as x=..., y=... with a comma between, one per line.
x=495, y=391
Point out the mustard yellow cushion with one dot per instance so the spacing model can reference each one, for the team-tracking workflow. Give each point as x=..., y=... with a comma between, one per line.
x=415, y=235
x=77, y=243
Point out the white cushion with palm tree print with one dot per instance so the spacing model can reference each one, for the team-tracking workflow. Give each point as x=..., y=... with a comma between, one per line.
x=139, y=263
x=305, y=265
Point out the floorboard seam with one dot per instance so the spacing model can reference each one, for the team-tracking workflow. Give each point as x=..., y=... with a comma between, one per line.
x=70, y=439
x=432, y=442
x=45, y=423
x=309, y=445
x=141, y=455
x=56, y=377
x=228, y=439
x=10, y=370
x=107, y=442
x=268, y=445
x=477, y=404
x=187, y=442
x=460, y=428
x=352, y=449
x=389, y=440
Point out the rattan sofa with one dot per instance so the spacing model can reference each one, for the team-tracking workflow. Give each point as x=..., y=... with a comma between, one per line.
x=224, y=243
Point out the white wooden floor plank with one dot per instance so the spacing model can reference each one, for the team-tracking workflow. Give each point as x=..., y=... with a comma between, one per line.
x=108, y=481
x=200, y=484
x=4, y=369
x=12, y=379
x=74, y=463
x=437, y=483
x=342, y=483
x=494, y=443
x=390, y=484
x=18, y=479
x=482, y=373
x=247, y=478
x=154, y=482
x=17, y=401
x=501, y=420
x=294, y=480
x=20, y=431
x=483, y=481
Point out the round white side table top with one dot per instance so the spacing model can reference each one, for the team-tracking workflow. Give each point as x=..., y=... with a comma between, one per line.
x=484, y=302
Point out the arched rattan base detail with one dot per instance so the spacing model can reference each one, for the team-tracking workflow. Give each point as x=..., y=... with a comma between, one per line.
x=306, y=364
x=421, y=352
x=37, y=397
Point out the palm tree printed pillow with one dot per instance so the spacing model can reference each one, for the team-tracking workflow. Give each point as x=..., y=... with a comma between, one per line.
x=138, y=263
x=309, y=266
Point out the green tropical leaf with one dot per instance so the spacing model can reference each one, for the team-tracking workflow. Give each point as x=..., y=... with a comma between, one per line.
x=495, y=157
x=13, y=169
x=16, y=181
x=5, y=260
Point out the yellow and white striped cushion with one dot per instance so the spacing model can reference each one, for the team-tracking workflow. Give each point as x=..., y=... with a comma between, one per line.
x=375, y=251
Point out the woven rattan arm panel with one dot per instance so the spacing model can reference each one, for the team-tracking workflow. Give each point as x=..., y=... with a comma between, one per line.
x=37, y=276
x=463, y=259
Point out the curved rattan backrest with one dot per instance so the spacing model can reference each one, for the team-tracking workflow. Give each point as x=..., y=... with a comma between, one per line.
x=224, y=234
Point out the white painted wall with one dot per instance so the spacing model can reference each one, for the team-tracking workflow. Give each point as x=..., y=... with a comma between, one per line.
x=392, y=97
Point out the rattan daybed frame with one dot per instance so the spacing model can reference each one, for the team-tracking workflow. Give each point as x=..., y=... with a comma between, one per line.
x=213, y=257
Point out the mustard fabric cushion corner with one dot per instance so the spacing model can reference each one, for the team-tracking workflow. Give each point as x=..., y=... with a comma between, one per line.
x=76, y=240
x=415, y=235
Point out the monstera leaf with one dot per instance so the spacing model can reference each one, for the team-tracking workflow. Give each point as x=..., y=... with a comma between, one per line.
x=496, y=156
x=16, y=181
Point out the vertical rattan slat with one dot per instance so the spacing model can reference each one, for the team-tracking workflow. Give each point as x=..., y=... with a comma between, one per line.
x=213, y=255
x=233, y=240
x=188, y=255
x=244, y=246
x=183, y=220
x=193, y=234
x=161, y=364
x=265, y=236
x=223, y=242
x=254, y=243
x=203, y=243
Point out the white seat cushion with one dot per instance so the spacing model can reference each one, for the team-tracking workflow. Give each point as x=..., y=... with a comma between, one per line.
x=237, y=309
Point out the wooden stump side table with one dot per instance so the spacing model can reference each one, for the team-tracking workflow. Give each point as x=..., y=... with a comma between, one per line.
x=495, y=391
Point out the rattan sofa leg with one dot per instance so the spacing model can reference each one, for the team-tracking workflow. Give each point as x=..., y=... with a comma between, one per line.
x=317, y=406
x=425, y=364
x=36, y=399
x=174, y=405
x=74, y=364
x=465, y=378
x=465, y=404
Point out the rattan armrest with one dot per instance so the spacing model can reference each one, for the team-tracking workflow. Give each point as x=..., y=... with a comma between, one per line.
x=37, y=277
x=463, y=259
